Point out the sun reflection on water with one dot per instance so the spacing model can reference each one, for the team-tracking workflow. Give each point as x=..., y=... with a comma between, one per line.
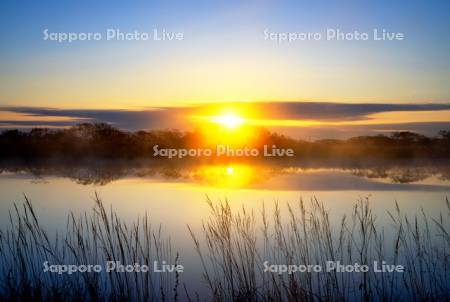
x=228, y=176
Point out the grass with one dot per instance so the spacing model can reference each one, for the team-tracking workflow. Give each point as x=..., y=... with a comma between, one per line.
x=231, y=249
x=93, y=238
x=234, y=251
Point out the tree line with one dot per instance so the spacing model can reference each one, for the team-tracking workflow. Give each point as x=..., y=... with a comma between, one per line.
x=100, y=140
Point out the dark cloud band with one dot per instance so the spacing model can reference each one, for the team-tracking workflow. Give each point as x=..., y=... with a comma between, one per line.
x=169, y=117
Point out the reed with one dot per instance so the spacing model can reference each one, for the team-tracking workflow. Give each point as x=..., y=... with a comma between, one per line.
x=92, y=238
x=232, y=247
x=234, y=252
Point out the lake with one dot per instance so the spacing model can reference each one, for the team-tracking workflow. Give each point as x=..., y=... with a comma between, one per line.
x=175, y=197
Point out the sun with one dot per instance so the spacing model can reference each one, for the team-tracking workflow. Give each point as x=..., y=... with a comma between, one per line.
x=225, y=126
x=230, y=170
x=228, y=120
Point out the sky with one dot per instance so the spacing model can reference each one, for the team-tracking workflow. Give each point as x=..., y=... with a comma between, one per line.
x=224, y=55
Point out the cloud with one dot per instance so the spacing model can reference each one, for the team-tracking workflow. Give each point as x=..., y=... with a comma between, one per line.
x=177, y=117
x=342, y=111
x=343, y=132
x=124, y=119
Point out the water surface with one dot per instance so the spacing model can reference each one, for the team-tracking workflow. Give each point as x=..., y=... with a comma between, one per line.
x=175, y=197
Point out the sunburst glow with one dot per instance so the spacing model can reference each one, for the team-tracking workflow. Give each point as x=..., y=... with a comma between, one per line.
x=228, y=120
x=227, y=125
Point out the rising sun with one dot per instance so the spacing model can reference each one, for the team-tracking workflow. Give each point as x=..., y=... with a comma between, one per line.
x=228, y=120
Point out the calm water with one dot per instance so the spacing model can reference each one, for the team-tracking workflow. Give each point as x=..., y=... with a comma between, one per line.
x=175, y=198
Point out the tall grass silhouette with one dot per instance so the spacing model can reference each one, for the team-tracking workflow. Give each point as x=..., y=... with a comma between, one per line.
x=92, y=238
x=232, y=249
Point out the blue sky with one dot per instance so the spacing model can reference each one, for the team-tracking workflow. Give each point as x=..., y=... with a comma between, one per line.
x=222, y=40
x=223, y=57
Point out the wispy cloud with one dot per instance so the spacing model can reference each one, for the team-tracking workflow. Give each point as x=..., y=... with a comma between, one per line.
x=178, y=117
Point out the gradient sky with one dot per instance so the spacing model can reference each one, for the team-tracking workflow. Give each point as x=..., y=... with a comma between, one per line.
x=223, y=56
